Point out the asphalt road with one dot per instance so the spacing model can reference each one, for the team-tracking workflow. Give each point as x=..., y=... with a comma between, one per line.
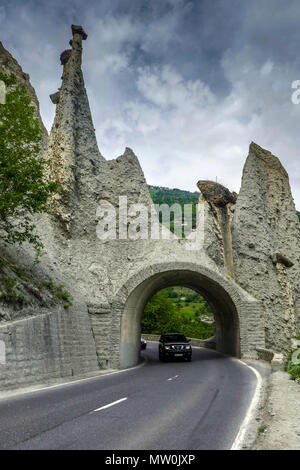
x=160, y=406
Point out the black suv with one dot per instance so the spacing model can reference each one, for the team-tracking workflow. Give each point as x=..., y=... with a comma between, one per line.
x=174, y=345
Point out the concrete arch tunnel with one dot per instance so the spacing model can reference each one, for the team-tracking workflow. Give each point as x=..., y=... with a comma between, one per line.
x=224, y=296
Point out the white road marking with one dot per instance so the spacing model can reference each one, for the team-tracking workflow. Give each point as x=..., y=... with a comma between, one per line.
x=238, y=442
x=172, y=378
x=110, y=404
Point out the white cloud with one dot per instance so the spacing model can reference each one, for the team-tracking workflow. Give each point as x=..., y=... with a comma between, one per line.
x=183, y=132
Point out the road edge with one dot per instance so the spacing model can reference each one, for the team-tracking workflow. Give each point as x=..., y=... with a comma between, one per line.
x=249, y=422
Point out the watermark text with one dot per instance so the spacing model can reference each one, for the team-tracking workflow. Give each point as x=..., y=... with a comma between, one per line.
x=155, y=222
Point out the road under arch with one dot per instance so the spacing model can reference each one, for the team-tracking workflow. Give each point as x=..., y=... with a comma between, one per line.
x=220, y=300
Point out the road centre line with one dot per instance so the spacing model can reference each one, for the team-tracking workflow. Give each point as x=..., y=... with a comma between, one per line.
x=109, y=405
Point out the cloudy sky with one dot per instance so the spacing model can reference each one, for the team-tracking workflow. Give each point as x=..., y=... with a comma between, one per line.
x=186, y=84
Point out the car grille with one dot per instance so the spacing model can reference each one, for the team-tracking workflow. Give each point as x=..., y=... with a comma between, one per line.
x=178, y=347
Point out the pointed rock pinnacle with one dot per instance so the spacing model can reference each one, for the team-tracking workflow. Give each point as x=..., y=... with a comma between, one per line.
x=79, y=30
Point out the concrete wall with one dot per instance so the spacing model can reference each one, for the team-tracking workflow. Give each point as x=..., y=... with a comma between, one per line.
x=49, y=346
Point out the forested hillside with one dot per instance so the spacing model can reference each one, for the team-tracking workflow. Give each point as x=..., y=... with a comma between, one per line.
x=161, y=195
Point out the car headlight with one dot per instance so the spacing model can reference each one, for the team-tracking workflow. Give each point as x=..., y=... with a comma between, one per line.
x=188, y=347
x=167, y=347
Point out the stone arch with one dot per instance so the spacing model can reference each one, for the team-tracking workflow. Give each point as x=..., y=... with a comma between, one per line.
x=233, y=308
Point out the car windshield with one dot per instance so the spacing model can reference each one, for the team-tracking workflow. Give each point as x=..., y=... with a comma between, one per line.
x=174, y=338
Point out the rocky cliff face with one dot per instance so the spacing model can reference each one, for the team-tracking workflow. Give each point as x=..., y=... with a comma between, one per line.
x=219, y=200
x=266, y=244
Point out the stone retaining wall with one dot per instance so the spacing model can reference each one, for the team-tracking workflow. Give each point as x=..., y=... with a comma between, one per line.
x=44, y=347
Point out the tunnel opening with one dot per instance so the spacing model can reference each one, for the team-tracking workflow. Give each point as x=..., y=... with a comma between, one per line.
x=227, y=335
x=178, y=309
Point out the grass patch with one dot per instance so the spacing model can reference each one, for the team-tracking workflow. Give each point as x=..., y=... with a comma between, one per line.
x=62, y=293
x=10, y=293
x=15, y=281
x=294, y=368
x=59, y=291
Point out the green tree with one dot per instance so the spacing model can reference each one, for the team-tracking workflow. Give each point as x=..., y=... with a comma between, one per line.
x=160, y=315
x=24, y=190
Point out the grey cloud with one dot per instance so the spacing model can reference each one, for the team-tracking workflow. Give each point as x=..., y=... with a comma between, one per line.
x=186, y=84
